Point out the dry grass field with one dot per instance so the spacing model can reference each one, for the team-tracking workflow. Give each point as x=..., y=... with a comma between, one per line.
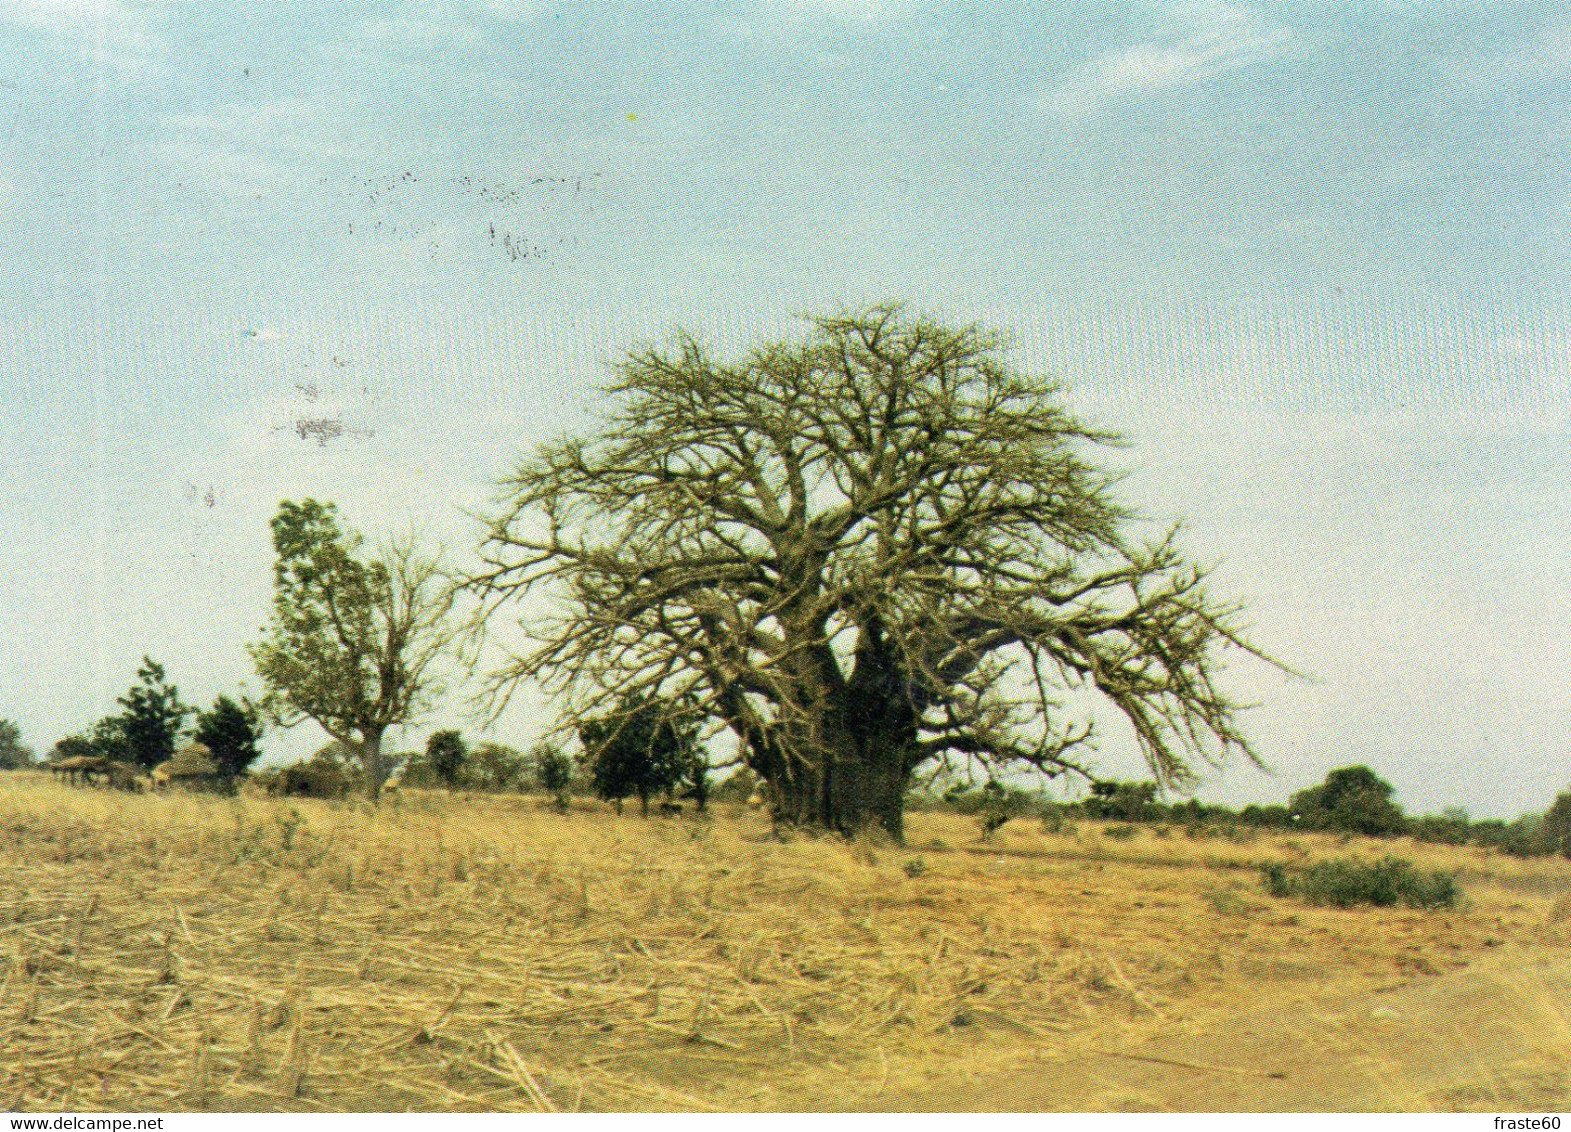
x=188, y=952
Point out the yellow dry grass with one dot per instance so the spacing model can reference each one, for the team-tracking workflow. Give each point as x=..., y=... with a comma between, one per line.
x=188, y=952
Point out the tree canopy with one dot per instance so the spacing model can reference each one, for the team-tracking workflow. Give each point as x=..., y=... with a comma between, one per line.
x=232, y=733
x=357, y=636
x=151, y=720
x=640, y=750
x=1352, y=798
x=863, y=551
x=14, y=754
x=445, y=752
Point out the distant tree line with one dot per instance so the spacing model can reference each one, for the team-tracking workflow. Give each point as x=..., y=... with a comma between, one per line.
x=1351, y=800
x=149, y=729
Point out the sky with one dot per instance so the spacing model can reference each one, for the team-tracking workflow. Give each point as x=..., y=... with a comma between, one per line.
x=1308, y=257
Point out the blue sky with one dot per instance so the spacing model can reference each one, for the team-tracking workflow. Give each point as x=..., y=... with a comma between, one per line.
x=1309, y=256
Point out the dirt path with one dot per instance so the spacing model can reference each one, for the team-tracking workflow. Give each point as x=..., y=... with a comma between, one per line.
x=1494, y=1037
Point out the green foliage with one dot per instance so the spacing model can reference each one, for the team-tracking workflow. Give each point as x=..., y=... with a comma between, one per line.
x=14, y=754
x=330, y=773
x=553, y=772
x=1352, y=799
x=106, y=739
x=1441, y=830
x=445, y=753
x=495, y=768
x=1267, y=817
x=1122, y=801
x=153, y=717
x=640, y=751
x=232, y=733
x=355, y=638
x=1348, y=883
x=73, y=747
x=1557, y=825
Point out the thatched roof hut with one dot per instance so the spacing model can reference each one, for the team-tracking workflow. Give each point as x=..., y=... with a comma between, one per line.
x=192, y=763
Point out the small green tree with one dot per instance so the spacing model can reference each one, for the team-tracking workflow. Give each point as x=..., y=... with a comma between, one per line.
x=153, y=717
x=357, y=637
x=14, y=754
x=73, y=747
x=233, y=734
x=554, y=773
x=495, y=768
x=639, y=751
x=445, y=753
x=106, y=739
x=1122, y=801
x=1353, y=799
x=1557, y=825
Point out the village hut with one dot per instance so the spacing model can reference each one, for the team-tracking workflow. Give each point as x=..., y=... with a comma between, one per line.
x=192, y=768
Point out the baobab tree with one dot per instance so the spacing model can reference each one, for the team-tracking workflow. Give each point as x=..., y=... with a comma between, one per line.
x=358, y=636
x=876, y=549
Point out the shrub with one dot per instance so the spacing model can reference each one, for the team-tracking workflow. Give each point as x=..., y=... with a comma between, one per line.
x=1353, y=799
x=1348, y=883
x=445, y=752
x=326, y=774
x=1123, y=801
x=1119, y=832
x=1267, y=817
x=14, y=754
x=495, y=768
x=553, y=773
x=1442, y=830
x=1557, y=825
x=642, y=748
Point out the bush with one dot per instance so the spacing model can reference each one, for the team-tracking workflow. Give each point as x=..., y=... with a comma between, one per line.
x=1440, y=830
x=1123, y=801
x=553, y=773
x=1557, y=825
x=495, y=768
x=1353, y=799
x=326, y=774
x=445, y=752
x=1267, y=817
x=1348, y=883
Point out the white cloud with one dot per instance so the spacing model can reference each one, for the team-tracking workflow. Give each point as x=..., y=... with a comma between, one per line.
x=844, y=11
x=518, y=11
x=107, y=33
x=240, y=149
x=1227, y=39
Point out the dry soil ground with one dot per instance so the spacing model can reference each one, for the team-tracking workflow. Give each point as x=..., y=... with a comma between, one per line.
x=186, y=952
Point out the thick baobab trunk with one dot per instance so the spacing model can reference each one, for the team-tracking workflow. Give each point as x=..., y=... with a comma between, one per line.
x=373, y=764
x=859, y=784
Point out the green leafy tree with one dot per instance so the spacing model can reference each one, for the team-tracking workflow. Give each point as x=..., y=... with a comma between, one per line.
x=1122, y=801
x=232, y=733
x=1353, y=799
x=73, y=747
x=640, y=751
x=357, y=637
x=107, y=740
x=864, y=552
x=14, y=754
x=1557, y=825
x=445, y=752
x=153, y=716
x=553, y=772
x=496, y=768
